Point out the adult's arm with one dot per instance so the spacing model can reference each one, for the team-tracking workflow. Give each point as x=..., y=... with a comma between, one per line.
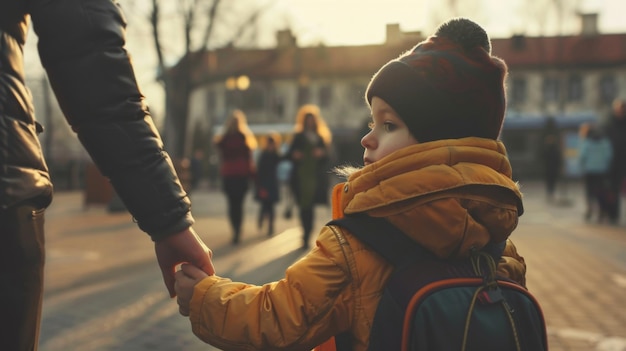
x=81, y=46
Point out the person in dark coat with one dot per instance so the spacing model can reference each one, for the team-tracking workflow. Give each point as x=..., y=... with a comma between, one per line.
x=552, y=156
x=309, y=152
x=595, y=155
x=81, y=47
x=617, y=133
x=267, y=187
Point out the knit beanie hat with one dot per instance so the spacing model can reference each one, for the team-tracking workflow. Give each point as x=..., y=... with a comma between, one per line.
x=449, y=86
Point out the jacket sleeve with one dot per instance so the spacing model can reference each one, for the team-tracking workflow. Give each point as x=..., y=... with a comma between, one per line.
x=300, y=311
x=296, y=145
x=81, y=46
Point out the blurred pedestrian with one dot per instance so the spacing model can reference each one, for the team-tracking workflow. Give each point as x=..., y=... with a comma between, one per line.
x=81, y=47
x=197, y=168
x=283, y=171
x=595, y=156
x=551, y=154
x=236, y=145
x=309, y=153
x=617, y=134
x=266, y=181
x=433, y=168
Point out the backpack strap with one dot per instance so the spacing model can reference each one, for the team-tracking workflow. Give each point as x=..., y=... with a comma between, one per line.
x=391, y=243
x=382, y=236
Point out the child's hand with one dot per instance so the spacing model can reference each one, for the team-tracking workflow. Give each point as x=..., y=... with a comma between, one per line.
x=186, y=278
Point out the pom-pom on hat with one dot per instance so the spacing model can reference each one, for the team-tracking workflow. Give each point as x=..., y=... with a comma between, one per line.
x=449, y=86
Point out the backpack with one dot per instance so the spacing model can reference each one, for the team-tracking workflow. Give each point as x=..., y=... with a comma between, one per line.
x=433, y=304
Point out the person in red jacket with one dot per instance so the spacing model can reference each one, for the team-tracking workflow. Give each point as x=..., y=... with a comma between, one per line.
x=235, y=146
x=81, y=47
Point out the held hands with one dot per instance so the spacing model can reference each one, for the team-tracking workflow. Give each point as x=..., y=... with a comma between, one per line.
x=297, y=155
x=186, y=278
x=319, y=152
x=183, y=247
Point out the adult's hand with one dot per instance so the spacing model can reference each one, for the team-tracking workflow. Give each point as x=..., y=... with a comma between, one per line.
x=182, y=247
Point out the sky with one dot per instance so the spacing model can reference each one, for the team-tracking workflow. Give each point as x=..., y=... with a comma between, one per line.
x=337, y=22
x=358, y=22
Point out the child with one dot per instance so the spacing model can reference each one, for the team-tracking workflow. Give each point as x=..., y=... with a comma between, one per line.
x=433, y=168
x=267, y=189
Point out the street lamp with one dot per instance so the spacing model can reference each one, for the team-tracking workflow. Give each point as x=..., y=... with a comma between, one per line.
x=240, y=83
x=237, y=84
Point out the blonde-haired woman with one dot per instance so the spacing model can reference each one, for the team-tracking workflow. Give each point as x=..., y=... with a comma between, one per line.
x=309, y=152
x=235, y=147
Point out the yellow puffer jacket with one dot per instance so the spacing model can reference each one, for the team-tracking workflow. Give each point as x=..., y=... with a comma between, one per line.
x=448, y=195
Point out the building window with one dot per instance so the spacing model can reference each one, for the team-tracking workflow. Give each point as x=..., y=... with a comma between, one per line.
x=608, y=88
x=518, y=95
x=210, y=100
x=278, y=106
x=253, y=98
x=550, y=89
x=575, y=88
x=303, y=95
x=357, y=95
x=232, y=99
x=326, y=95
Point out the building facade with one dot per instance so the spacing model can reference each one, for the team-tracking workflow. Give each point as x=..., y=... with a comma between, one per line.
x=574, y=78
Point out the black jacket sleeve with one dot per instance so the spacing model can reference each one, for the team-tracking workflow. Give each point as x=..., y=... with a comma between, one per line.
x=81, y=46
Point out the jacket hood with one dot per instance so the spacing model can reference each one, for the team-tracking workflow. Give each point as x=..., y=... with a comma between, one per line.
x=448, y=195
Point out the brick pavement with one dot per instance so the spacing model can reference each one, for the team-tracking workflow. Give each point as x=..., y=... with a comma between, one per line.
x=577, y=270
x=104, y=290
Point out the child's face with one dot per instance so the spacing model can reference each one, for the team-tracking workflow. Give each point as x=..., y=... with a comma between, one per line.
x=388, y=133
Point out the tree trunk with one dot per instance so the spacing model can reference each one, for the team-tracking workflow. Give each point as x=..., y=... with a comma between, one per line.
x=177, y=92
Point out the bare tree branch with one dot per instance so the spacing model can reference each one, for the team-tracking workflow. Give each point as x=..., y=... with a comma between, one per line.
x=177, y=81
x=188, y=11
x=209, y=27
x=154, y=20
x=249, y=22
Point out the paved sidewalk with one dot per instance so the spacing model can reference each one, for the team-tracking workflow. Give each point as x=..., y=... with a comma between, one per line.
x=104, y=290
x=576, y=269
